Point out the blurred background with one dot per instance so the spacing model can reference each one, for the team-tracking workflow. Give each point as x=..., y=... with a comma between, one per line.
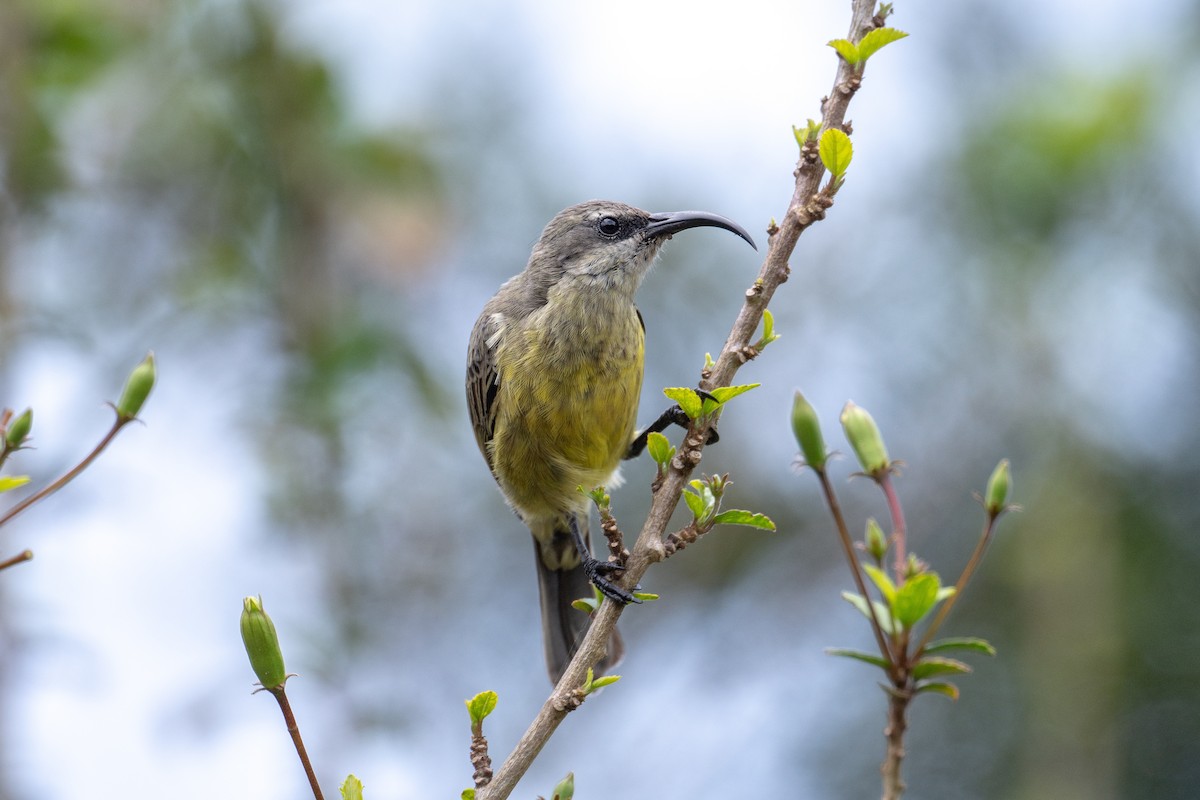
x=302, y=206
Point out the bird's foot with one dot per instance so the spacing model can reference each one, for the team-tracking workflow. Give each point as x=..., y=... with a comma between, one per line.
x=596, y=570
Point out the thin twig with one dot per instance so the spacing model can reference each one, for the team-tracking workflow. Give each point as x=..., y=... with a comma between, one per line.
x=899, y=529
x=963, y=579
x=19, y=558
x=294, y=730
x=68, y=476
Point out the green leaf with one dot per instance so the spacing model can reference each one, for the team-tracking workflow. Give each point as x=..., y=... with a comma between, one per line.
x=915, y=597
x=352, y=788
x=481, y=705
x=659, y=447
x=881, y=611
x=874, y=660
x=645, y=595
x=881, y=580
x=565, y=790
x=687, y=399
x=961, y=643
x=938, y=665
x=600, y=683
x=836, y=151
x=846, y=49
x=736, y=516
x=10, y=482
x=723, y=394
x=695, y=504
x=876, y=40
x=468, y=794
x=948, y=689
x=944, y=592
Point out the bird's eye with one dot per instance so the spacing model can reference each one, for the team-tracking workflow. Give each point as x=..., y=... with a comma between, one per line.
x=608, y=226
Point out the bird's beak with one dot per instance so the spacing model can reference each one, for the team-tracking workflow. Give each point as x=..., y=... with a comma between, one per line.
x=669, y=222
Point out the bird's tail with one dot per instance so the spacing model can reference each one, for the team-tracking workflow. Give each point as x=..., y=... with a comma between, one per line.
x=559, y=585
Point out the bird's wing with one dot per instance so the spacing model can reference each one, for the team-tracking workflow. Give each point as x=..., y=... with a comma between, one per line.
x=483, y=379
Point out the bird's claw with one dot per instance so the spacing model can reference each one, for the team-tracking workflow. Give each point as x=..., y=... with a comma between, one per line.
x=596, y=570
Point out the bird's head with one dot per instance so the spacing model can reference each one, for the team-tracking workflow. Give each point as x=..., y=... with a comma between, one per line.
x=611, y=245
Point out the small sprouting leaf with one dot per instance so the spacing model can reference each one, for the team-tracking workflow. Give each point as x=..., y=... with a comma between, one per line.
x=881, y=579
x=600, y=683
x=481, y=705
x=695, y=504
x=10, y=482
x=736, y=516
x=881, y=611
x=847, y=50
x=876, y=40
x=944, y=592
x=468, y=794
x=869, y=658
x=352, y=788
x=948, y=689
x=645, y=596
x=836, y=151
x=659, y=447
x=961, y=643
x=687, y=399
x=565, y=790
x=938, y=665
x=723, y=394
x=915, y=597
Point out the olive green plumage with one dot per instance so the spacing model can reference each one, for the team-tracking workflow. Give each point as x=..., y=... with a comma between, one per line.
x=554, y=374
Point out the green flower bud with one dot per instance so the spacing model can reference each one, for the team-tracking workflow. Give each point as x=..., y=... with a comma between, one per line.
x=807, y=429
x=18, y=429
x=137, y=388
x=262, y=644
x=864, y=437
x=565, y=790
x=997, y=488
x=874, y=541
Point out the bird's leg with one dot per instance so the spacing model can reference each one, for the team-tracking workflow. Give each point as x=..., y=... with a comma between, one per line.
x=672, y=416
x=596, y=569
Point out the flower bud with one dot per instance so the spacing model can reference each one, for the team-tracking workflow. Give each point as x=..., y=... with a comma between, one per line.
x=18, y=429
x=864, y=437
x=997, y=488
x=262, y=644
x=807, y=429
x=874, y=541
x=137, y=388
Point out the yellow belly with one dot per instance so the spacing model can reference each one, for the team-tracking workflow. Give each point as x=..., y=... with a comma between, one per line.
x=567, y=408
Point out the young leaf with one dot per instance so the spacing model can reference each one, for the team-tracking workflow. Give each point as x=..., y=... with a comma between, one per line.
x=481, y=705
x=847, y=50
x=948, y=689
x=938, y=665
x=876, y=40
x=836, y=151
x=882, y=580
x=659, y=447
x=962, y=643
x=736, y=516
x=881, y=611
x=915, y=597
x=695, y=504
x=723, y=394
x=352, y=788
x=10, y=482
x=687, y=399
x=875, y=660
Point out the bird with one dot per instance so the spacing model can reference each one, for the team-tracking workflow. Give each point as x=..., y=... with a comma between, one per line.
x=554, y=376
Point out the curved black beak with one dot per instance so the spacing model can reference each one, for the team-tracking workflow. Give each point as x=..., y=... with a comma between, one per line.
x=669, y=222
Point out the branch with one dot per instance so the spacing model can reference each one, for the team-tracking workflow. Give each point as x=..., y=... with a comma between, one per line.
x=808, y=205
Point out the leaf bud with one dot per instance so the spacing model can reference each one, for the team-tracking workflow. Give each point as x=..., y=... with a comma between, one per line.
x=874, y=541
